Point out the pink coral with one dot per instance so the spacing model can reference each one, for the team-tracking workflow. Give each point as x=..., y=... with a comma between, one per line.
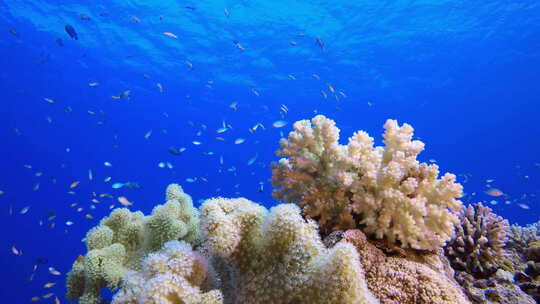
x=383, y=190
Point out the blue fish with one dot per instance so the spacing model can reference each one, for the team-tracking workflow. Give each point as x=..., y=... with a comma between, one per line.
x=71, y=32
x=118, y=185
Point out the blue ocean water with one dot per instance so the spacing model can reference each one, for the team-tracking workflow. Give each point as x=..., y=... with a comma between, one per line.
x=463, y=74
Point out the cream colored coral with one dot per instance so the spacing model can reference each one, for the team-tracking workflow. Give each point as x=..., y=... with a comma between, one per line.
x=185, y=212
x=76, y=282
x=130, y=236
x=278, y=257
x=173, y=275
x=383, y=190
x=100, y=268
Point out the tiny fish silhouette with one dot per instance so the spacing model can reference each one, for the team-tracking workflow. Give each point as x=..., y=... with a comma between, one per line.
x=320, y=42
x=71, y=32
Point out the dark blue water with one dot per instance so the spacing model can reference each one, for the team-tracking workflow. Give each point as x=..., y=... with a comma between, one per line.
x=464, y=75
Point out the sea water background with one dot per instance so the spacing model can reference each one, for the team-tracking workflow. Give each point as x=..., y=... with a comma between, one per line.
x=464, y=74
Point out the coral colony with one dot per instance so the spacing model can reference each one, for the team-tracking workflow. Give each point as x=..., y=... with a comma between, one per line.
x=359, y=224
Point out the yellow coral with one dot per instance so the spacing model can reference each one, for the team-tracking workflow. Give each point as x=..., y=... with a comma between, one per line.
x=278, y=257
x=384, y=190
x=124, y=238
x=173, y=275
x=75, y=281
x=185, y=212
x=100, y=268
x=99, y=237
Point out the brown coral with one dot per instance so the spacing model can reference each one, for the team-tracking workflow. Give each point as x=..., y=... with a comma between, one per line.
x=478, y=245
x=413, y=279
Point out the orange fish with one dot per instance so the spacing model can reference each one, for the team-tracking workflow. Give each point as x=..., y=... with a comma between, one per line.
x=124, y=201
x=74, y=184
x=494, y=192
x=331, y=88
x=54, y=271
x=324, y=94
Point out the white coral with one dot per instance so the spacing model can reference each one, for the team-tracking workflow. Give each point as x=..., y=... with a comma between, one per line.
x=385, y=190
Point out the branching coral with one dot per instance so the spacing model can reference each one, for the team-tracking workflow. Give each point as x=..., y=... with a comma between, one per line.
x=383, y=190
x=278, y=257
x=524, y=247
x=520, y=238
x=176, y=274
x=122, y=239
x=478, y=245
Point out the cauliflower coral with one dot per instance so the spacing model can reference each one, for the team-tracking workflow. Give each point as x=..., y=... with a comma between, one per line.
x=383, y=190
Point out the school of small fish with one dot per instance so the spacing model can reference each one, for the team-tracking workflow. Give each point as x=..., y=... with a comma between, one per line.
x=228, y=146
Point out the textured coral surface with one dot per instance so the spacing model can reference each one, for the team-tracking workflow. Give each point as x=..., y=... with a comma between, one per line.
x=524, y=246
x=383, y=190
x=124, y=238
x=173, y=275
x=478, y=245
x=278, y=257
x=403, y=279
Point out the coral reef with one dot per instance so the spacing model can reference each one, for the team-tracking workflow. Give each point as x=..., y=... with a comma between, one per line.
x=384, y=191
x=407, y=278
x=235, y=251
x=521, y=238
x=175, y=274
x=278, y=257
x=121, y=240
x=528, y=279
x=524, y=246
x=499, y=288
x=482, y=262
x=253, y=255
x=478, y=245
